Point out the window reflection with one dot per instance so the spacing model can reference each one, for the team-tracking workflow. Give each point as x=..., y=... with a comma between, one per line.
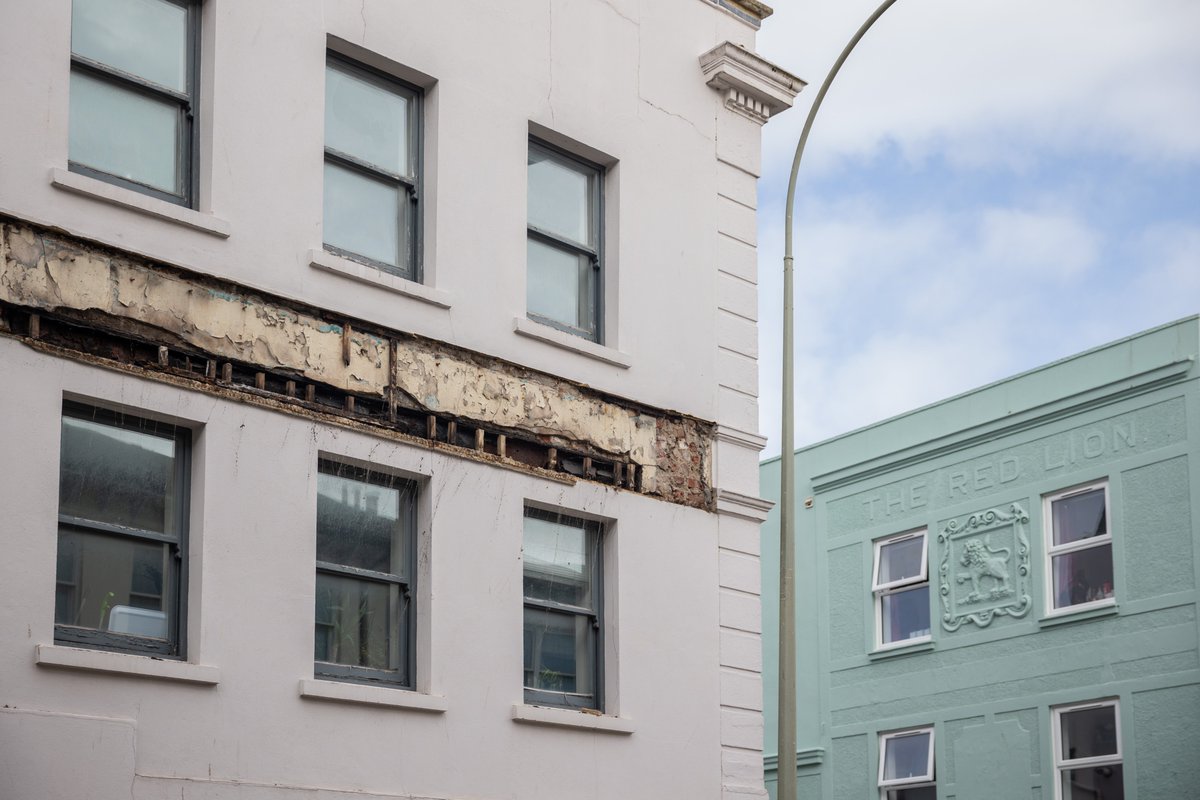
x=561, y=557
x=119, y=540
x=366, y=523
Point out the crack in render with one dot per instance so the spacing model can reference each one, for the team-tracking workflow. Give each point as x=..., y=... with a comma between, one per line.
x=705, y=136
x=619, y=13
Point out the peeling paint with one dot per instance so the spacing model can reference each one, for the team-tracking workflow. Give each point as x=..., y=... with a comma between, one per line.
x=51, y=272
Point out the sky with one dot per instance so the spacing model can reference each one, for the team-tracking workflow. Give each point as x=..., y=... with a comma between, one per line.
x=989, y=186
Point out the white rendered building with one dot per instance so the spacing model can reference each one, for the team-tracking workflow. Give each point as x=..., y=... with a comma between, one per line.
x=378, y=398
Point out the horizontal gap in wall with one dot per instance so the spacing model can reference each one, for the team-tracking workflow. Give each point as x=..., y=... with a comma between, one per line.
x=294, y=392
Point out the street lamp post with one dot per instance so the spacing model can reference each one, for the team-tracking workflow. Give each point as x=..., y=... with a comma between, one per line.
x=786, y=778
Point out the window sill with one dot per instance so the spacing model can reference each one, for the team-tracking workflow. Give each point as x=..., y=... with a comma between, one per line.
x=524, y=326
x=1107, y=609
x=126, y=664
x=923, y=646
x=323, y=259
x=141, y=203
x=372, y=695
x=571, y=718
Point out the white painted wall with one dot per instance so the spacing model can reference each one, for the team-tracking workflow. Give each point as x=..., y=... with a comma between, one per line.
x=250, y=611
x=620, y=77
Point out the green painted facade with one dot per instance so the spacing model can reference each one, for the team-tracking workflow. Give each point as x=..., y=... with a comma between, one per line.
x=999, y=658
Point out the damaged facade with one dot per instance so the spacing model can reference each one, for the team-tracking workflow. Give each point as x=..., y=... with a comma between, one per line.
x=299, y=506
x=121, y=311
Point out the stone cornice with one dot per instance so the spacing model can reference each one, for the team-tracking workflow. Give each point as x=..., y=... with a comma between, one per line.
x=743, y=505
x=805, y=757
x=741, y=438
x=753, y=86
x=750, y=12
x=1130, y=386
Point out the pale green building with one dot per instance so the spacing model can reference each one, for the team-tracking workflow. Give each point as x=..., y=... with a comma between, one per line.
x=997, y=593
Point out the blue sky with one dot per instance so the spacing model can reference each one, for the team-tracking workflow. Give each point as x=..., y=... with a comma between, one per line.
x=990, y=185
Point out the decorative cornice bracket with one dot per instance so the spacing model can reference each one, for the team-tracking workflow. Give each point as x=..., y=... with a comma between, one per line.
x=735, y=504
x=740, y=438
x=753, y=86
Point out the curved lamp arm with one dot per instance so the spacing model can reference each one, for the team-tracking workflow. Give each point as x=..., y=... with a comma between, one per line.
x=786, y=773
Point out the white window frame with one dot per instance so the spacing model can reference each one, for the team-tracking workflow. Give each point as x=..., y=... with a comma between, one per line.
x=1052, y=550
x=404, y=675
x=917, y=782
x=881, y=590
x=595, y=612
x=174, y=588
x=410, y=220
x=187, y=100
x=1061, y=764
x=592, y=327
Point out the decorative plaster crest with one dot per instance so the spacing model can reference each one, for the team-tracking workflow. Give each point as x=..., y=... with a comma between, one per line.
x=753, y=86
x=992, y=550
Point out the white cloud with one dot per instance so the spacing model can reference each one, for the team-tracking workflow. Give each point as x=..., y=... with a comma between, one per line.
x=899, y=303
x=1170, y=282
x=1053, y=244
x=897, y=372
x=982, y=82
x=900, y=310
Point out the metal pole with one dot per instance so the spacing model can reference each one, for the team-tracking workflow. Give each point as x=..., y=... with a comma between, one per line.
x=786, y=775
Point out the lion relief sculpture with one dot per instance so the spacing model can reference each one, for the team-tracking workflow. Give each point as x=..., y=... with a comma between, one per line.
x=983, y=561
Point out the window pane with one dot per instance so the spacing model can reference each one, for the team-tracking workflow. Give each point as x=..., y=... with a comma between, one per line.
x=361, y=524
x=559, y=652
x=357, y=622
x=1079, y=517
x=117, y=475
x=147, y=38
x=1089, y=732
x=905, y=614
x=1083, y=576
x=923, y=793
x=365, y=120
x=558, y=562
x=906, y=757
x=900, y=560
x=560, y=198
x=124, y=133
x=1094, y=783
x=558, y=285
x=111, y=583
x=363, y=215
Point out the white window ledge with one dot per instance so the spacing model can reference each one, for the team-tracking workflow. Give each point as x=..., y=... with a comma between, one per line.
x=135, y=201
x=535, y=330
x=126, y=664
x=364, y=273
x=922, y=645
x=1103, y=608
x=571, y=718
x=372, y=695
